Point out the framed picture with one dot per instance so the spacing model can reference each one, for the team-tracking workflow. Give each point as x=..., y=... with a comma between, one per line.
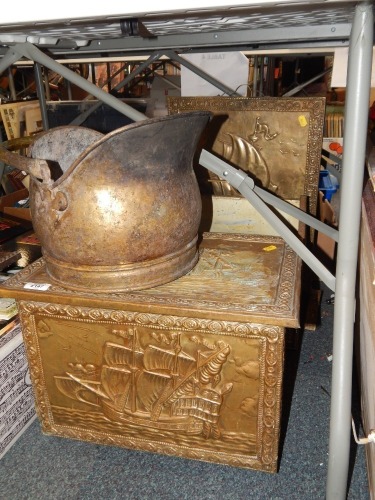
x=278, y=141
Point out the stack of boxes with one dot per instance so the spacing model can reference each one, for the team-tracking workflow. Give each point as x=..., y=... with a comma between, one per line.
x=17, y=409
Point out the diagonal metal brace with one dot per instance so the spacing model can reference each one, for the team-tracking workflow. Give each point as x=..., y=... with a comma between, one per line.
x=31, y=52
x=297, y=213
x=245, y=185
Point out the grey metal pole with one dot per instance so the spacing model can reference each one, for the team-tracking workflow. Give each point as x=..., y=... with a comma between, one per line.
x=93, y=76
x=261, y=73
x=255, y=76
x=12, y=88
x=270, y=78
x=28, y=50
x=46, y=84
x=355, y=133
x=167, y=80
x=10, y=57
x=296, y=212
x=69, y=88
x=109, y=82
x=221, y=86
x=111, y=77
x=41, y=95
x=2, y=164
x=300, y=87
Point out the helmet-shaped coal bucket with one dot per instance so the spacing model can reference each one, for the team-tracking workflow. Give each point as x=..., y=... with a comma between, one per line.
x=116, y=212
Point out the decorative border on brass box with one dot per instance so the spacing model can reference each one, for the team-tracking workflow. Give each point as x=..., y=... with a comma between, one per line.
x=41, y=321
x=277, y=140
x=282, y=311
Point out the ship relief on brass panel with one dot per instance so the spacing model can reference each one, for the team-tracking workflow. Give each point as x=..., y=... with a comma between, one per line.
x=159, y=386
x=277, y=141
x=198, y=388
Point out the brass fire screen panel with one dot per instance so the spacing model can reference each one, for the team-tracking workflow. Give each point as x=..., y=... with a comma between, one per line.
x=192, y=368
x=278, y=141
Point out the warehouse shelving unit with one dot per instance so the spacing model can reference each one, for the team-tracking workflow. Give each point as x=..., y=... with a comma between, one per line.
x=71, y=32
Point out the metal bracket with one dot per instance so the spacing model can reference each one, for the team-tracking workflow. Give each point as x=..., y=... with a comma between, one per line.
x=370, y=438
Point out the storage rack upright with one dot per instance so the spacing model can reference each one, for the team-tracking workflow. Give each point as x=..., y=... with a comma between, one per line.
x=75, y=31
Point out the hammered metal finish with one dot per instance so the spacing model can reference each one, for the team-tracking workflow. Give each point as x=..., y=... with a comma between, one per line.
x=120, y=211
x=277, y=141
x=190, y=368
x=157, y=384
x=255, y=278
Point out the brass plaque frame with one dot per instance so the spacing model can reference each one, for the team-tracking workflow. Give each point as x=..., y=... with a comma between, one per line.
x=66, y=346
x=277, y=140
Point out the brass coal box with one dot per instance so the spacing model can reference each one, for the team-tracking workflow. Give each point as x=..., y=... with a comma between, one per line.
x=191, y=368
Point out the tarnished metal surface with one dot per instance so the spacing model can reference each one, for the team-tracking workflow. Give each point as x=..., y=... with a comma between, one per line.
x=191, y=368
x=250, y=292
x=120, y=211
x=277, y=141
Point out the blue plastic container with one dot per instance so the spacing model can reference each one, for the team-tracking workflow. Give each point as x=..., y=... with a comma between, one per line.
x=328, y=184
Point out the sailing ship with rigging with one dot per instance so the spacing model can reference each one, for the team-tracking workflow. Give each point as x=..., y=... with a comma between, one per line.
x=162, y=387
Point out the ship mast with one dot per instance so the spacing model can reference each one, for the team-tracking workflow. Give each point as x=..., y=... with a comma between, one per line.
x=177, y=349
x=134, y=369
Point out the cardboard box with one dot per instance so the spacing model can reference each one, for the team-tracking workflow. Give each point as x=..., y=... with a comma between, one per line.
x=17, y=407
x=14, y=119
x=325, y=245
x=230, y=214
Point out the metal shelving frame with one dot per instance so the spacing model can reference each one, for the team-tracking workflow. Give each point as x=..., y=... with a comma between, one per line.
x=259, y=26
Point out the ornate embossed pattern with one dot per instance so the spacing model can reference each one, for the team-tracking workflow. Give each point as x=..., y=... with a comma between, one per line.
x=260, y=283
x=79, y=363
x=278, y=140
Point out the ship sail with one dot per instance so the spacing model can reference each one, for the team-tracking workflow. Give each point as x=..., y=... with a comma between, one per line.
x=116, y=383
x=157, y=360
x=163, y=387
x=210, y=365
x=246, y=156
x=118, y=355
x=135, y=380
x=150, y=386
x=73, y=389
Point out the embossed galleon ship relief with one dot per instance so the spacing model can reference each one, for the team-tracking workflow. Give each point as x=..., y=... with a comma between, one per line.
x=277, y=141
x=180, y=385
x=244, y=153
x=158, y=387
